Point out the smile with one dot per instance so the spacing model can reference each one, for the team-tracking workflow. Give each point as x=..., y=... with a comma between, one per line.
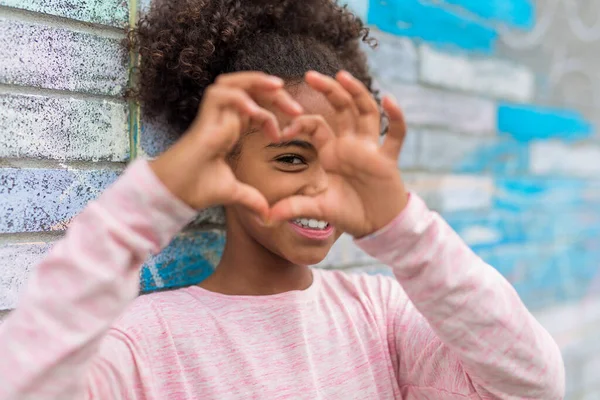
x=312, y=228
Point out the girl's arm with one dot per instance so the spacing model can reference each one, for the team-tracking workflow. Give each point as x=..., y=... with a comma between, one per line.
x=470, y=332
x=49, y=346
x=480, y=325
x=48, y=343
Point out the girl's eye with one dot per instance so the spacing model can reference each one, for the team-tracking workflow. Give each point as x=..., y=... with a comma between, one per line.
x=291, y=160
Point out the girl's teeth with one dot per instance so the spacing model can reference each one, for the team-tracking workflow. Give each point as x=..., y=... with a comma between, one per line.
x=311, y=223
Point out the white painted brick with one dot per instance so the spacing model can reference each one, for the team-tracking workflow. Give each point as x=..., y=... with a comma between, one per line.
x=17, y=261
x=439, y=150
x=592, y=395
x=393, y=60
x=410, y=150
x=479, y=235
x=591, y=371
x=43, y=56
x=434, y=108
x=448, y=193
x=570, y=324
x=156, y=135
x=551, y=158
x=491, y=77
x=63, y=128
x=107, y=12
x=575, y=328
x=345, y=253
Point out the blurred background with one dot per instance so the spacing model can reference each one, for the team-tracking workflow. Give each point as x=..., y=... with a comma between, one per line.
x=501, y=97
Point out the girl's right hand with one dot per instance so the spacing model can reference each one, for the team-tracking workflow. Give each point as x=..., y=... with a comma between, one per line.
x=195, y=168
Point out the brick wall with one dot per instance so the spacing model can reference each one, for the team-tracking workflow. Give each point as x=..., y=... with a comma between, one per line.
x=500, y=97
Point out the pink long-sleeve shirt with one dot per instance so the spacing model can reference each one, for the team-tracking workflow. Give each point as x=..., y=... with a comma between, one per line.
x=448, y=327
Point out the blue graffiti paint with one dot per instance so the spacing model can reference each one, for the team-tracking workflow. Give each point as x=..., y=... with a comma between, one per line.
x=188, y=260
x=528, y=193
x=546, y=236
x=545, y=274
x=518, y=13
x=432, y=23
x=527, y=122
x=502, y=157
x=359, y=7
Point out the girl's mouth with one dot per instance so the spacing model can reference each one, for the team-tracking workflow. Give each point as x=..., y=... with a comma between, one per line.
x=312, y=228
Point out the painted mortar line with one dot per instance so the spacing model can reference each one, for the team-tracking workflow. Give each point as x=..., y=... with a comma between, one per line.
x=34, y=163
x=56, y=93
x=442, y=128
x=30, y=237
x=466, y=92
x=460, y=92
x=134, y=106
x=54, y=21
x=446, y=90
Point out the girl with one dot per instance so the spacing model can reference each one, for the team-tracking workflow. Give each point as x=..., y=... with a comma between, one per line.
x=295, y=157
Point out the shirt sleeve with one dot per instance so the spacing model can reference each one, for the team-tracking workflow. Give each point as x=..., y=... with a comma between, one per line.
x=465, y=330
x=48, y=343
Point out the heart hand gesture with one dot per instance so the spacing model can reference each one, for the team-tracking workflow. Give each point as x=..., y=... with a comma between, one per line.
x=365, y=190
x=195, y=169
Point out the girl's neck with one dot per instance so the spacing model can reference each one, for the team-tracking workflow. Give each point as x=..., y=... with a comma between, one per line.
x=248, y=268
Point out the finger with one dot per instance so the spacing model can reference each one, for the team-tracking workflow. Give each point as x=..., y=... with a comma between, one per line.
x=280, y=99
x=231, y=124
x=264, y=88
x=315, y=126
x=339, y=98
x=363, y=99
x=297, y=207
x=219, y=98
x=392, y=144
x=250, y=80
x=250, y=198
x=369, y=117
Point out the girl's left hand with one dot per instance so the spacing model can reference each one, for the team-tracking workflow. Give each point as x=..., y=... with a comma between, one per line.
x=365, y=190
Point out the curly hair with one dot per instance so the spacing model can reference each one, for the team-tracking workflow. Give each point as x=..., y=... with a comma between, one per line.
x=185, y=44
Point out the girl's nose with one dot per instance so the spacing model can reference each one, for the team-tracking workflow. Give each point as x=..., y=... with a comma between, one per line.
x=318, y=183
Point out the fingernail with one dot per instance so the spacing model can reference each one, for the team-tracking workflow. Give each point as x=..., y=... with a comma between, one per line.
x=297, y=107
x=345, y=74
x=276, y=80
x=259, y=220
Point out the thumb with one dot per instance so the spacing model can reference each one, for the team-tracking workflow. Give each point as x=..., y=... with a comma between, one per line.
x=250, y=198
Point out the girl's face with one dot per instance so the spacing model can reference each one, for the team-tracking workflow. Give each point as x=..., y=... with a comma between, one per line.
x=279, y=171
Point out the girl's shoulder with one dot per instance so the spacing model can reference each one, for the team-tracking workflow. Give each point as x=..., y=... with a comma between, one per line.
x=157, y=309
